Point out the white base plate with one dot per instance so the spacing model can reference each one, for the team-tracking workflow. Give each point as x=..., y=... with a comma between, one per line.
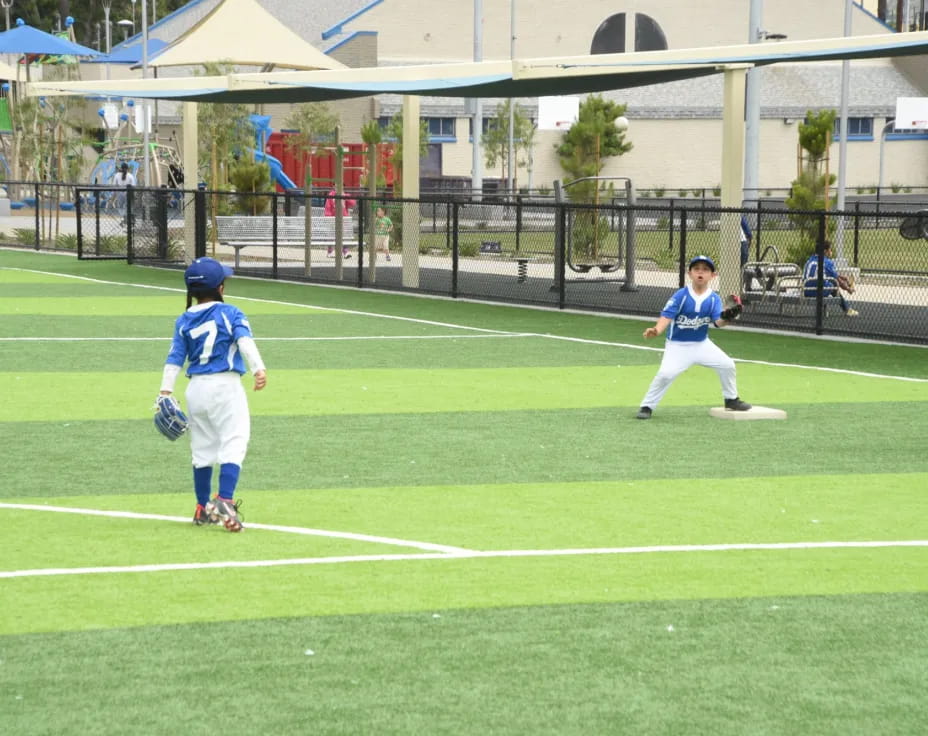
x=755, y=412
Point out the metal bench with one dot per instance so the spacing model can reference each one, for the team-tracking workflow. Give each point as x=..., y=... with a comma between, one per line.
x=791, y=291
x=242, y=231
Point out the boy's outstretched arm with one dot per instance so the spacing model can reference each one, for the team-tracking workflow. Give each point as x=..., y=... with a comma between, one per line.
x=658, y=329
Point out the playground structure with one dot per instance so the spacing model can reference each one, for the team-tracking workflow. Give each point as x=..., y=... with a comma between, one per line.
x=126, y=145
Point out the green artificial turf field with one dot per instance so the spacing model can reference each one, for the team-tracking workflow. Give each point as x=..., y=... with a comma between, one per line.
x=454, y=525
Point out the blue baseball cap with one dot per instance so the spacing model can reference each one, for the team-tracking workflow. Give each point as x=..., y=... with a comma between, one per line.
x=206, y=273
x=704, y=259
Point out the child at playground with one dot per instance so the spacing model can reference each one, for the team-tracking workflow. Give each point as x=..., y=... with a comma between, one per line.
x=328, y=210
x=383, y=226
x=123, y=180
x=686, y=318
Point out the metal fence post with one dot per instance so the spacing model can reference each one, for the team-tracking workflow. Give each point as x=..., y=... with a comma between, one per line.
x=199, y=221
x=682, y=267
x=274, y=231
x=856, y=234
x=77, y=223
x=361, y=210
x=820, y=278
x=38, y=217
x=454, y=250
x=129, y=222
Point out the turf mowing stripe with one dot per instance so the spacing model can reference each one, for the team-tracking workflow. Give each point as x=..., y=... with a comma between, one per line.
x=73, y=396
x=377, y=315
x=341, y=338
x=463, y=555
x=266, y=527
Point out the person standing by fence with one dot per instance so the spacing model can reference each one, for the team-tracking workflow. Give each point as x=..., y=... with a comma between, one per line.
x=383, y=226
x=329, y=211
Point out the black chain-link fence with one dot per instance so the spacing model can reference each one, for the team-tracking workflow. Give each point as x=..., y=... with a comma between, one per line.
x=615, y=256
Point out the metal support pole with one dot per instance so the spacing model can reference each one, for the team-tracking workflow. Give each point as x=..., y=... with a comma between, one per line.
x=512, y=103
x=752, y=109
x=146, y=117
x=477, y=160
x=842, y=145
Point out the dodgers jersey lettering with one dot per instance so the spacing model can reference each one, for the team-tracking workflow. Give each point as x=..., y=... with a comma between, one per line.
x=205, y=336
x=691, y=314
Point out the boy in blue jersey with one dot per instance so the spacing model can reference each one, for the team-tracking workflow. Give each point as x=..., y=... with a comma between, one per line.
x=212, y=337
x=686, y=318
x=832, y=282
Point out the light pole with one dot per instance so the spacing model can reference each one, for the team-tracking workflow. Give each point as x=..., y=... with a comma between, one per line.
x=512, y=114
x=126, y=24
x=621, y=125
x=889, y=124
x=842, y=146
x=6, y=9
x=146, y=109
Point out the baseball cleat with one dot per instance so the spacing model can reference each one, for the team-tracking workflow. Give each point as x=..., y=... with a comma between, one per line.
x=225, y=511
x=201, y=518
x=644, y=413
x=736, y=404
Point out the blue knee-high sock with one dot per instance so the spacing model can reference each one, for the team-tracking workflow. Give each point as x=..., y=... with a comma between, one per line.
x=228, y=479
x=202, y=481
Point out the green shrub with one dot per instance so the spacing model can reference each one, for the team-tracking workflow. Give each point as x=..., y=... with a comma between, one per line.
x=66, y=241
x=659, y=191
x=663, y=222
x=717, y=191
x=683, y=192
x=24, y=235
x=252, y=182
x=468, y=249
x=895, y=187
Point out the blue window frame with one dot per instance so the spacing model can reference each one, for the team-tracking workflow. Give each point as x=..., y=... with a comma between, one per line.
x=487, y=124
x=440, y=128
x=858, y=129
x=906, y=134
x=383, y=122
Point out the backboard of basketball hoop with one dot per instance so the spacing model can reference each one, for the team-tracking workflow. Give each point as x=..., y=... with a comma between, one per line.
x=557, y=113
x=911, y=113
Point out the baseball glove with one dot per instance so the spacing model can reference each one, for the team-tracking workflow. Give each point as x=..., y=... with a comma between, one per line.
x=169, y=419
x=733, y=308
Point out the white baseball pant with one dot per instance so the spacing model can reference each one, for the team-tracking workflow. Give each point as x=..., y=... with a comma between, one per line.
x=678, y=356
x=220, y=425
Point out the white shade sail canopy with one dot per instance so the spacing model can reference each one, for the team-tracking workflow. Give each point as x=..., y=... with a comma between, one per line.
x=242, y=32
x=516, y=78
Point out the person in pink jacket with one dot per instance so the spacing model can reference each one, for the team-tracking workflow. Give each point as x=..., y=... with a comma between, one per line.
x=329, y=211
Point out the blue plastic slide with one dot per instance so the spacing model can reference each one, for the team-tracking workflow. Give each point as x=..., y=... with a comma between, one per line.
x=277, y=170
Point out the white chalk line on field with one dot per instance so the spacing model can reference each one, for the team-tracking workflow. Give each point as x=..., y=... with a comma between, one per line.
x=470, y=555
x=429, y=551
x=427, y=546
x=416, y=320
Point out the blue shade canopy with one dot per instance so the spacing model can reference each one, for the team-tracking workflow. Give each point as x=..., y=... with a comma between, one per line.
x=28, y=40
x=131, y=54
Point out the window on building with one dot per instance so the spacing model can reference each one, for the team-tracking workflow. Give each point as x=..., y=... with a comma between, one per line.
x=488, y=123
x=858, y=129
x=900, y=134
x=440, y=129
x=383, y=122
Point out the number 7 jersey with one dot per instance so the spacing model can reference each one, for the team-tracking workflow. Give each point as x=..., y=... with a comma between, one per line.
x=205, y=337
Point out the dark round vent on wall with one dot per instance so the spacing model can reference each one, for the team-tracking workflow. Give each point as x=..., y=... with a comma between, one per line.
x=610, y=36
